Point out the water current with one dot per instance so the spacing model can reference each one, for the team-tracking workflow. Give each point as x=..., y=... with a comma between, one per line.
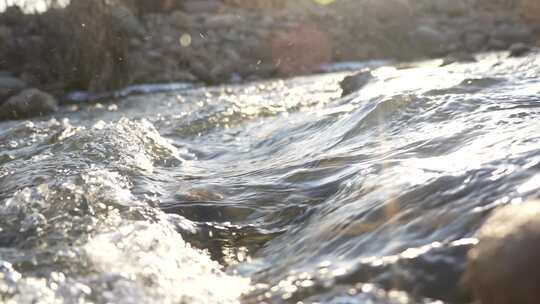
x=278, y=191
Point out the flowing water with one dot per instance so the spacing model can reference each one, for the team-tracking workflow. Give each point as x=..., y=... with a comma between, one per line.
x=278, y=191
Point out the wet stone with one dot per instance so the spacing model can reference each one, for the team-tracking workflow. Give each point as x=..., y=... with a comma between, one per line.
x=28, y=103
x=355, y=82
x=501, y=268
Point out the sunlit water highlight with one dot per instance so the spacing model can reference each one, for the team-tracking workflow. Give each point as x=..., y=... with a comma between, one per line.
x=299, y=194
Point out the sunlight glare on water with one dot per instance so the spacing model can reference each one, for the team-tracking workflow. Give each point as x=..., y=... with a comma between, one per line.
x=279, y=191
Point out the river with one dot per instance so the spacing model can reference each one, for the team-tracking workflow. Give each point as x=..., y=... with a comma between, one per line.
x=278, y=191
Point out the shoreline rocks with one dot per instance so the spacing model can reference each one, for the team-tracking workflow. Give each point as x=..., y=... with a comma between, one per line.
x=28, y=103
x=220, y=41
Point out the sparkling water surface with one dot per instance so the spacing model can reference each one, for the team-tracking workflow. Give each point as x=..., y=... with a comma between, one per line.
x=278, y=191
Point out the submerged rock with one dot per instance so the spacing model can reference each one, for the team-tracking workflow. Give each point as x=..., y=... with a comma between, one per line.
x=28, y=103
x=501, y=268
x=355, y=82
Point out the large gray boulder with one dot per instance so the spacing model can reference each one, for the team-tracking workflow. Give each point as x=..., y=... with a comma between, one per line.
x=503, y=267
x=28, y=103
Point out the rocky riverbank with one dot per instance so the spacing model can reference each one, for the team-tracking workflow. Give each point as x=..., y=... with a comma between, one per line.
x=91, y=45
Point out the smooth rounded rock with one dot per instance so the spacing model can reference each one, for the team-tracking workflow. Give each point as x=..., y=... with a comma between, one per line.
x=28, y=103
x=503, y=267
